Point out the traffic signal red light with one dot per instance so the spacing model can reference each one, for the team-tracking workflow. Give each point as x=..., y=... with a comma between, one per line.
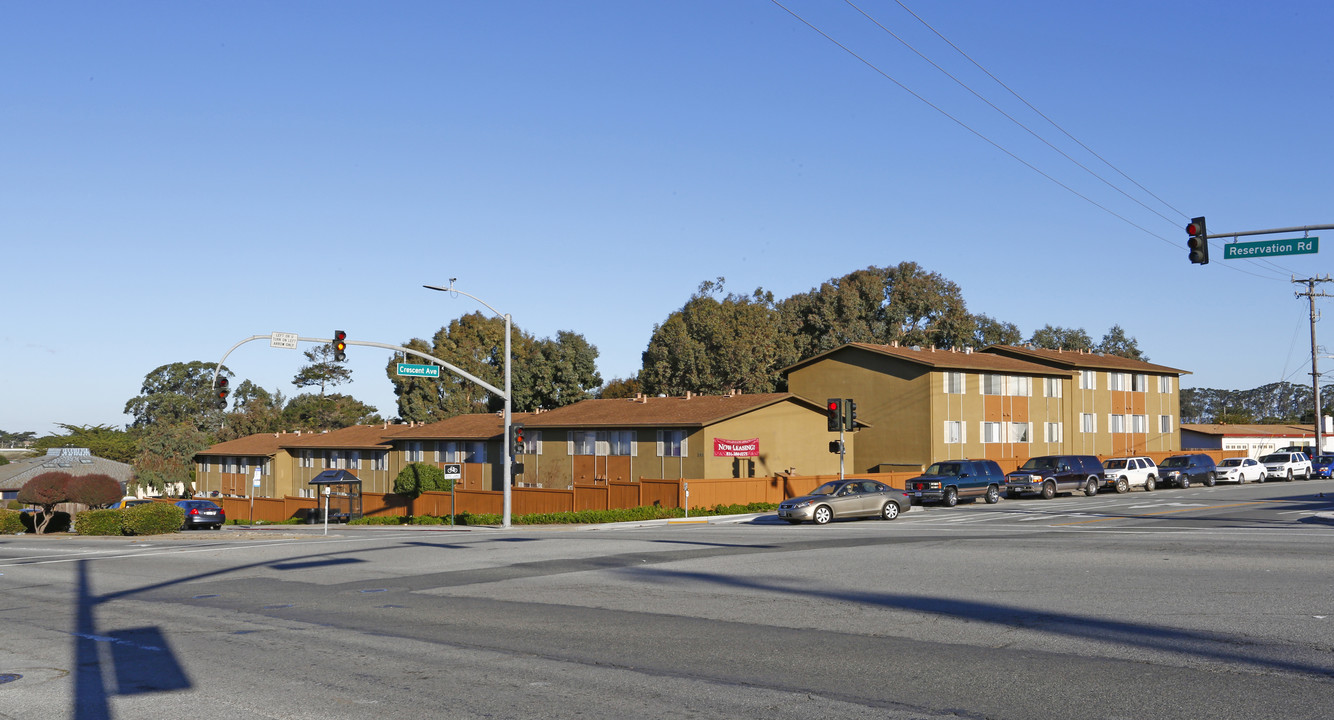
x=340, y=346
x=221, y=391
x=1198, y=242
x=834, y=408
x=516, y=445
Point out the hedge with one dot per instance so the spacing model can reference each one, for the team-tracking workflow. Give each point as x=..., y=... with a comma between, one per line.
x=11, y=522
x=153, y=519
x=100, y=522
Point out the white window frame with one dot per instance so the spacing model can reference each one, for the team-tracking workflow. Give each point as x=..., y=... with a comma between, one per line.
x=1019, y=432
x=1118, y=381
x=954, y=383
x=1165, y=384
x=1139, y=382
x=672, y=443
x=1139, y=424
x=354, y=459
x=993, y=384
x=1054, y=432
x=1051, y=387
x=955, y=432
x=1088, y=380
x=1088, y=422
x=1116, y=423
x=619, y=443
x=993, y=432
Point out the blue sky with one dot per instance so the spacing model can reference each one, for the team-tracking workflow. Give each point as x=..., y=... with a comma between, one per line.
x=175, y=177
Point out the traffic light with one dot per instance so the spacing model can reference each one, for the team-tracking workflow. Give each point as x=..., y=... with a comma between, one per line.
x=221, y=391
x=516, y=440
x=836, y=446
x=835, y=408
x=850, y=414
x=340, y=346
x=1198, y=242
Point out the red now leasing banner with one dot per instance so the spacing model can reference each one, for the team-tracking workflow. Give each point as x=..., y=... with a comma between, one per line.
x=736, y=448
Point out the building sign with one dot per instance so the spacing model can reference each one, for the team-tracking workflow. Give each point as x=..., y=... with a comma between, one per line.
x=736, y=448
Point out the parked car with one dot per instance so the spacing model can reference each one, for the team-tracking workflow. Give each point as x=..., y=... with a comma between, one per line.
x=946, y=482
x=1182, y=470
x=847, y=498
x=1286, y=466
x=1123, y=474
x=1240, y=470
x=202, y=513
x=1322, y=466
x=1047, y=475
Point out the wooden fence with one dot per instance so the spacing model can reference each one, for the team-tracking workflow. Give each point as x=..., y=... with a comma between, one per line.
x=704, y=493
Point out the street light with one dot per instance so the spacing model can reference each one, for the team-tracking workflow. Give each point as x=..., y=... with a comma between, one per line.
x=509, y=394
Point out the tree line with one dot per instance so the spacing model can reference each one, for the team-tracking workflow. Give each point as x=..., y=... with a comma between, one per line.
x=717, y=341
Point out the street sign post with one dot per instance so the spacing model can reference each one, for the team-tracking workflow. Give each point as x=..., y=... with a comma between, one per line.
x=414, y=370
x=1271, y=248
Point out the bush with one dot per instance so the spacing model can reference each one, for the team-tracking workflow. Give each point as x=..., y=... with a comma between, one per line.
x=153, y=519
x=99, y=522
x=589, y=517
x=377, y=520
x=11, y=522
x=95, y=491
x=55, y=522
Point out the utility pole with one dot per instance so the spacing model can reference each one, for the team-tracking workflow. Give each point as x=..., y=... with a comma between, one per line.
x=1311, y=295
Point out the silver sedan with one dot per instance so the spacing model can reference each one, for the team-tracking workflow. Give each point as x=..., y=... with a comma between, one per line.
x=1240, y=470
x=848, y=498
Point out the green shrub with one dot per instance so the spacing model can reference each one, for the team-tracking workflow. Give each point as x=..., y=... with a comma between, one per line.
x=427, y=520
x=377, y=520
x=99, y=522
x=11, y=522
x=153, y=519
x=636, y=514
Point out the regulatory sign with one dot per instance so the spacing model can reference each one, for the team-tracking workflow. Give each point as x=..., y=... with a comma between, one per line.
x=453, y=471
x=286, y=341
x=411, y=370
x=1270, y=248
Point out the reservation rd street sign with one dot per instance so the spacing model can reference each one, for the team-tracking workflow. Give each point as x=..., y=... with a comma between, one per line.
x=413, y=370
x=1271, y=248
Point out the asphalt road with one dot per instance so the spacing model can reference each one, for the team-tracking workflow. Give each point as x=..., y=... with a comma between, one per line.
x=1202, y=603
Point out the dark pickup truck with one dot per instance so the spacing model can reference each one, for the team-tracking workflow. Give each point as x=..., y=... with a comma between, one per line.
x=1049, y=474
x=946, y=482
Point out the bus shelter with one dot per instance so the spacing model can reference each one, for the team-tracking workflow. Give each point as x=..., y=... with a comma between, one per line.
x=344, y=496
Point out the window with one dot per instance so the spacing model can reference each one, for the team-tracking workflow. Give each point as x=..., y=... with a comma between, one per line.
x=1088, y=422
x=1088, y=380
x=618, y=442
x=1116, y=423
x=1164, y=423
x=953, y=432
x=1020, y=386
x=532, y=442
x=1053, y=432
x=954, y=383
x=307, y=458
x=1139, y=423
x=334, y=459
x=380, y=460
x=1139, y=383
x=475, y=452
x=1021, y=432
x=672, y=443
x=1051, y=387
x=583, y=442
x=992, y=432
x=1117, y=381
x=414, y=451
x=354, y=459
x=993, y=384
x=1165, y=384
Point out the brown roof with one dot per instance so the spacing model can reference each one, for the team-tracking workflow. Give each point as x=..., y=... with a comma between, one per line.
x=357, y=436
x=946, y=359
x=681, y=411
x=1295, y=431
x=258, y=444
x=478, y=426
x=1080, y=360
